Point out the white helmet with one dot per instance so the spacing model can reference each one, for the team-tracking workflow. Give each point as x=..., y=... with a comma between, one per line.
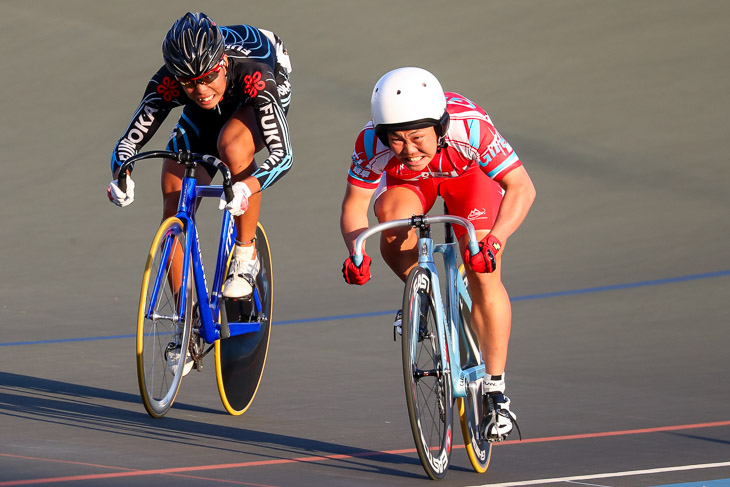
x=408, y=98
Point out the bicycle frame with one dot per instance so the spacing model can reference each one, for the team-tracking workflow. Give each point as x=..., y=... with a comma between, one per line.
x=190, y=193
x=448, y=323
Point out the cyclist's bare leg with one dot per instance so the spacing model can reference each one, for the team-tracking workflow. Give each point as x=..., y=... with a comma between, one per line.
x=171, y=184
x=238, y=142
x=398, y=245
x=491, y=313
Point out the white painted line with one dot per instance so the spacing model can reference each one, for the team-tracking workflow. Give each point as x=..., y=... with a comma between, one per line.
x=628, y=473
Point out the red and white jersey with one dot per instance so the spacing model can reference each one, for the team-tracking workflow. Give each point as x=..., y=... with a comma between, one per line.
x=471, y=139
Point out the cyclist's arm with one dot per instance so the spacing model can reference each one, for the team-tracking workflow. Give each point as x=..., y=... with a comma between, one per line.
x=162, y=94
x=272, y=122
x=519, y=193
x=354, y=216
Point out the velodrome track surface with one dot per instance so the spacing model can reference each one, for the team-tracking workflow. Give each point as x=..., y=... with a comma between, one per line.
x=620, y=276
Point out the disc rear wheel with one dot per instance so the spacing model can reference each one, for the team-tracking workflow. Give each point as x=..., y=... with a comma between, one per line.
x=240, y=360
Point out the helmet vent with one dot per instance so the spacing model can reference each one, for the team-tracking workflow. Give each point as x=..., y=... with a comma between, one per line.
x=407, y=98
x=193, y=46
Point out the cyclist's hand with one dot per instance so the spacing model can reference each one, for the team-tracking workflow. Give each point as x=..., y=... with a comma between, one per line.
x=119, y=197
x=239, y=204
x=354, y=274
x=486, y=259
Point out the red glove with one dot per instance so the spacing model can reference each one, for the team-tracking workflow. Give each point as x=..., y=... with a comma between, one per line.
x=486, y=259
x=354, y=274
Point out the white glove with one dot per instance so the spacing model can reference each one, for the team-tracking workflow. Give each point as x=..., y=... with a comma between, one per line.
x=117, y=196
x=239, y=203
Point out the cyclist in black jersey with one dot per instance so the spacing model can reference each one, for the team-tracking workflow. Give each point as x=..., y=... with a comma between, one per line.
x=233, y=85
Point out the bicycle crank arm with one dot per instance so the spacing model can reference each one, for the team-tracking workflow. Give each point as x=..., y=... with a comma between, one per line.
x=232, y=328
x=418, y=374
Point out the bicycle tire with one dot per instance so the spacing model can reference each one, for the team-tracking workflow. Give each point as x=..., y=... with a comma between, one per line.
x=240, y=360
x=158, y=385
x=471, y=407
x=427, y=387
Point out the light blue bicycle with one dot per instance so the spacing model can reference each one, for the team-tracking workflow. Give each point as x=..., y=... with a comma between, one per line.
x=441, y=358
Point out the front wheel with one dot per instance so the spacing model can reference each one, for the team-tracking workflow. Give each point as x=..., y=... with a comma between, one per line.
x=163, y=329
x=427, y=384
x=471, y=407
x=240, y=360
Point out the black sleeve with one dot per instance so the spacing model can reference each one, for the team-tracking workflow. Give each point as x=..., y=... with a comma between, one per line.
x=162, y=94
x=262, y=89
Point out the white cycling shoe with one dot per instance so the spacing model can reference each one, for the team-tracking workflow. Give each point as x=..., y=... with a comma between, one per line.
x=173, y=354
x=173, y=358
x=241, y=274
x=498, y=419
x=398, y=324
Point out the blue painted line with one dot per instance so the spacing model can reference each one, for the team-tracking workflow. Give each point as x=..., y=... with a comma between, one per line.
x=337, y=317
x=708, y=483
x=655, y=282
x=63, y=340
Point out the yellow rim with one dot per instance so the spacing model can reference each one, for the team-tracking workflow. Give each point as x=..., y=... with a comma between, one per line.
x=218, y=369
x=168, y=223
x=475, y=463
x=461, y=405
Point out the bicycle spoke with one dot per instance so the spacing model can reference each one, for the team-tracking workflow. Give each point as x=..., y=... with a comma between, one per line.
x=428, y=388
x=161, y=326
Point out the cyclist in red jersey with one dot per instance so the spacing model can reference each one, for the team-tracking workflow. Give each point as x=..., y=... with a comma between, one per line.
x=422, y=143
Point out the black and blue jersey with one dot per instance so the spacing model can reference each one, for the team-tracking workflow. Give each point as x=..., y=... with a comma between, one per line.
x=257, y=76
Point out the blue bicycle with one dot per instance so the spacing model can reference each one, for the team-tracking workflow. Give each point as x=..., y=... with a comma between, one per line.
x=441, y=358
x=180, y=319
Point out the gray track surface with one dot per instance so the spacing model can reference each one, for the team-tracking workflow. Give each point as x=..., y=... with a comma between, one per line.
x=619, y=110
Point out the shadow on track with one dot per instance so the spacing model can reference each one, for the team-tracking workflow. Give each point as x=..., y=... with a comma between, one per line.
x=73, y=405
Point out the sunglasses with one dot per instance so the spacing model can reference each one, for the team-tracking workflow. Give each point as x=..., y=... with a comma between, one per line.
x=204, y=79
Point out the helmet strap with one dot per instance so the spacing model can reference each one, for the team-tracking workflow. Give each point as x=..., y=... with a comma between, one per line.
x=441, y=143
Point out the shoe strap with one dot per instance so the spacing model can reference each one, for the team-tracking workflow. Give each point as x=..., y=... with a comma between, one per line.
x=494, y=383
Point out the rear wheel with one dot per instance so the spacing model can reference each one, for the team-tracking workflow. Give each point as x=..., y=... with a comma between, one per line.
x=427, y=386
x=471, y=407
x=161, y=324
x=240, y=360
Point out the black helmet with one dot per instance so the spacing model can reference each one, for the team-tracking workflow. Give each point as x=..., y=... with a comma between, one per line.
x=192, y=46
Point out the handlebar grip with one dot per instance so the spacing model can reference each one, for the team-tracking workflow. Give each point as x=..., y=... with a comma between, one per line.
x=357, y=259
x=473, y=247
x=122, y=182
x=228, y=192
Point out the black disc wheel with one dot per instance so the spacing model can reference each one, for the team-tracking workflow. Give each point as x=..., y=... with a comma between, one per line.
x=240, y=360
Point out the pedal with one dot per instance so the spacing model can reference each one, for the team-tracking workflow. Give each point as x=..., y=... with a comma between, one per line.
x=236, y=311
x=196, y=350
x=489, y=428
x=476, y=403
x=239, y=309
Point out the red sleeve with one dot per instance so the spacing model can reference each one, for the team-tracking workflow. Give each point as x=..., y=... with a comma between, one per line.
x=496, y=156
x=363, y=172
